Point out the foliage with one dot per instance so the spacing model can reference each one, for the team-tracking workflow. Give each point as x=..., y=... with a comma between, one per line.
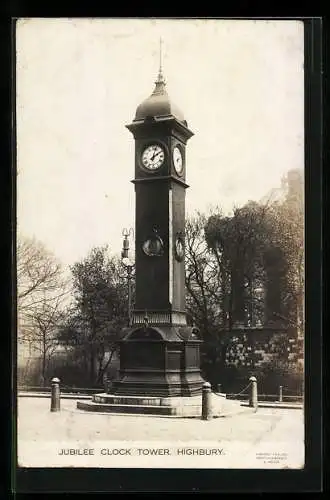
x=248, y=268
x=99, y=312
x=288, y=233
x=245, y=270
x=72, y=372
x=238, y=243
x=202, y=276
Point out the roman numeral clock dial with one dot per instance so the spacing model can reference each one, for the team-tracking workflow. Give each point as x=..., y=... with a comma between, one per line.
x=153, y=157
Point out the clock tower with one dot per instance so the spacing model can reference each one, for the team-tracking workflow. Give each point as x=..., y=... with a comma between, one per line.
x=159, y=352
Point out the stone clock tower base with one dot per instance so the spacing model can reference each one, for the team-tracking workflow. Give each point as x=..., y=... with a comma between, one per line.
x=159, y=361
x=159, y=374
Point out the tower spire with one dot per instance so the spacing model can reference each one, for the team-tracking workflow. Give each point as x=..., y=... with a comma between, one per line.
x=160, y=54
x=160, y=82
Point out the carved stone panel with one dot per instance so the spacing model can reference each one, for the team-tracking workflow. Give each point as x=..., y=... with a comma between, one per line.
x=173, y=360
x=142, y=355
x=192, y=357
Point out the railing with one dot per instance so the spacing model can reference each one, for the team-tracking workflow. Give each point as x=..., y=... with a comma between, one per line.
x=244, y=395
x=64, y=389
x=267, y=397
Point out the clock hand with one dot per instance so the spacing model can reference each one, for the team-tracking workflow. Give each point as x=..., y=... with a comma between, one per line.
x=155, y=154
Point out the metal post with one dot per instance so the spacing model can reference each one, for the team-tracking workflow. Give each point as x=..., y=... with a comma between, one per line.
x=253, y=402
x=281, y=394
x=129, y=276
x=55, y=395
x=206, y=401
x=129, y=266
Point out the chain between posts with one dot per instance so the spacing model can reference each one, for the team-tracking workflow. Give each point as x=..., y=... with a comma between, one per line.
x=239, y=393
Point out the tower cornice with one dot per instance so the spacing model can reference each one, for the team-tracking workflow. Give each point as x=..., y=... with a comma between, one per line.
x=138, y=127
x=162, y=178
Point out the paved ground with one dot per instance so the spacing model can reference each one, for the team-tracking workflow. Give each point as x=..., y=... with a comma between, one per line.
x=35, y=421
x=274, y=429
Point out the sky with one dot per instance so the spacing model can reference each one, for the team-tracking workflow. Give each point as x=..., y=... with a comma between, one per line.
x=239, y=83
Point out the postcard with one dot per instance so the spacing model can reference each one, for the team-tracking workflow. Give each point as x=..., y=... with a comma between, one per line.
x=160, y=243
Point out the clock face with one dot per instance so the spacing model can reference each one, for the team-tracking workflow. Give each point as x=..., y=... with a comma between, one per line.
x=153, y=157
x=177, y=160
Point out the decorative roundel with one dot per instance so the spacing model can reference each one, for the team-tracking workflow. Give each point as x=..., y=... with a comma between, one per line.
x=153, y=246
x=178, y=160
x=179, y=248
x=153, y=157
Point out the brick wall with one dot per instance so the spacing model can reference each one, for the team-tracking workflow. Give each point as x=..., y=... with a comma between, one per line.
x=255, y=348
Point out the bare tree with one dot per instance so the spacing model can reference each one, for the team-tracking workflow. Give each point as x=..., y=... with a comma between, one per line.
x=42, y=291
x=201, y=276
x=40, y=328
x=37, y=272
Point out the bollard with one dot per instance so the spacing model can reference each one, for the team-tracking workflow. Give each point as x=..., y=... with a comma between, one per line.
x=219, y=388
x=206, y=401
x=253, y=402
x=281, y=394
x=55, y=395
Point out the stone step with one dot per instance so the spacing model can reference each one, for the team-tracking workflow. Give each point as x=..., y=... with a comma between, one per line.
x=105, y=398
x=139, y=409
x=174, y=406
